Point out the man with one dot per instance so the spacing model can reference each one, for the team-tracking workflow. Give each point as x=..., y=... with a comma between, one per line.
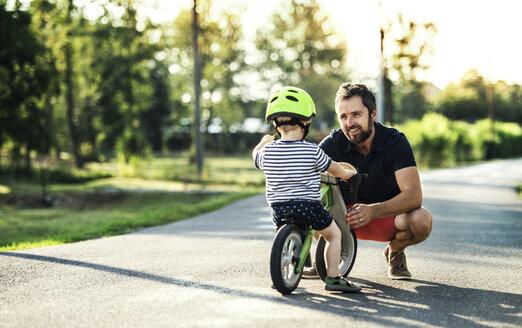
x=389, y=203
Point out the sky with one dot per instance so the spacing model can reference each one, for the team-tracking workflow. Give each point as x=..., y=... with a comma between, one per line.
x=472, y=34
x=479, y=34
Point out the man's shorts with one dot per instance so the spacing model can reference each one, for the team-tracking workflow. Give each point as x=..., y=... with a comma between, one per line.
x=309, y=211
x=379, y=229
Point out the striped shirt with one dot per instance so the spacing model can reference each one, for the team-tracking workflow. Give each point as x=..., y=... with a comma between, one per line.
x=292, y=170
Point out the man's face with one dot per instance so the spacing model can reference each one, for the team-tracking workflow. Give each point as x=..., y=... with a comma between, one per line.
x=355, y=121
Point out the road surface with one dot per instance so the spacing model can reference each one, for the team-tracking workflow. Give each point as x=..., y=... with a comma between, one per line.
x=212, y=271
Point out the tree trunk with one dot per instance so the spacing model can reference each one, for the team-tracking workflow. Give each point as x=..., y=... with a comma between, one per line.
x=52, y=128
x=70, y=97
x=388, y=99
x=27, y=157
x=197, y=90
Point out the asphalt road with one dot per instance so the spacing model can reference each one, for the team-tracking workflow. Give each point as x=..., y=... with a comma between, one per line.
x=212, y=271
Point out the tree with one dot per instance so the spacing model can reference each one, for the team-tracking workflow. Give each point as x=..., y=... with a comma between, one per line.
x=468, y=99
x=156, y=118
x=407, y=49
x=123, y=58
x=26, y=72
x=301, y=48
x=221, y=59
x=44, y=15
x=69, y=86
x=197, y=88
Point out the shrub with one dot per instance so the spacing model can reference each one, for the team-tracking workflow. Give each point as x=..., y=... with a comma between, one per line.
x=432, y=139
x=508, y=140
x=438, y=141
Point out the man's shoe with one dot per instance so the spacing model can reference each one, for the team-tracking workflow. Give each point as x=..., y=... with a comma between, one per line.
x=398, y=270
x=339, y=284
x=310, y=272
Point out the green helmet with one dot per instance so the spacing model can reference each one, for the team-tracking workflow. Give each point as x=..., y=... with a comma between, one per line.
x=290, y=101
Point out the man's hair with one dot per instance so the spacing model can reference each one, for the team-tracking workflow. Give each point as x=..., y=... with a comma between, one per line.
x=348, y=90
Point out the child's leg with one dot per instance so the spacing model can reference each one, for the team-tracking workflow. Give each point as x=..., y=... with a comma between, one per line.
x=332, y=250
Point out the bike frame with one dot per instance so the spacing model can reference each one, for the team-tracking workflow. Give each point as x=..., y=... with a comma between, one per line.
x=327, y=201
x=307, y=244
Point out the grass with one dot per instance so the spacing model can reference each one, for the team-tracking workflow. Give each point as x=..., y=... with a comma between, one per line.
x=92, y=208
x=231, y=170
x=81, y=216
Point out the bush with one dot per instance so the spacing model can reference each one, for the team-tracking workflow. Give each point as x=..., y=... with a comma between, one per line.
x=431, y=138
x=132, y=144
x=438, y=141
x=508, y=140
x=463, y=149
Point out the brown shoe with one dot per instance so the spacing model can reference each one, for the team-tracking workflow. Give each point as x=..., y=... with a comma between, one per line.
x=310, y=272
x=397, y=265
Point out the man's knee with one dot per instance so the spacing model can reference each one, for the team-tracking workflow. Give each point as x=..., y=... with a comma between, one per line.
x=420, y=222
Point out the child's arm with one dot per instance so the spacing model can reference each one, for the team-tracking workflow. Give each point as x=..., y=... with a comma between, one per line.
x=337, y=170
x=266, y=139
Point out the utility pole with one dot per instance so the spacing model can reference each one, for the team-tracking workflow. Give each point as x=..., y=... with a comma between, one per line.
x=491, y=114
x=491, y=111
x=197, y=90
x=382, y=73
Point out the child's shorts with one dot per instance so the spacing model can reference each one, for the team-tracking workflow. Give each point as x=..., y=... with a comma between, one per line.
x=309, y=211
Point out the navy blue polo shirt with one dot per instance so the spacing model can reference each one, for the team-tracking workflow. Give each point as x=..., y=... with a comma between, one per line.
x=390, y=152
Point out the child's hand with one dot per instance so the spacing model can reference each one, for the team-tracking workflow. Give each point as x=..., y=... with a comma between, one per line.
x=348, y=174
x=267, y=138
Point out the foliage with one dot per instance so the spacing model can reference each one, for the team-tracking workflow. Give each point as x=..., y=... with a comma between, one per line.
x=431, y=139
x=127, y=77
x=98, y=86
x=468, y=100
x=27, y=70
x=407, y=47
x=221, y=60
x=438, y=141
x=300, y=47
x=411, y=43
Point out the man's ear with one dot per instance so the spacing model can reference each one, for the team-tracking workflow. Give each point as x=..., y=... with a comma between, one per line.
x=374, y=115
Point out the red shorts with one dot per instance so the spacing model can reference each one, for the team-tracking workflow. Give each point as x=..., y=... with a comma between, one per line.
x=379, y=229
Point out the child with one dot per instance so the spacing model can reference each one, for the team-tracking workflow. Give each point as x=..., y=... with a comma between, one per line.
x=292, y=168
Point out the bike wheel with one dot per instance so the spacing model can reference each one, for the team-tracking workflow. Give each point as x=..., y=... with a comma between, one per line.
x=285, y=257
x=346, y=263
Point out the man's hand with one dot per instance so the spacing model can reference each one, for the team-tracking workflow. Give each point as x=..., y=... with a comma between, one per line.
x=360, y=215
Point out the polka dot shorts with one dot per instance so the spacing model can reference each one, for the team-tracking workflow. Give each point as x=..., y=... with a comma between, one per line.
x=309, y=211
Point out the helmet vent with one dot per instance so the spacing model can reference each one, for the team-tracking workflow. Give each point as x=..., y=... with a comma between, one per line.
x=273, y=99
x=294, y=91
x=292, y=98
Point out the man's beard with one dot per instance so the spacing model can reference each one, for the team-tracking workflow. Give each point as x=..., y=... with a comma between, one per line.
x=362, y=136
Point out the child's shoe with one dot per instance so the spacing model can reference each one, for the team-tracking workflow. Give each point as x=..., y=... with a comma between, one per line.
x=339, y=284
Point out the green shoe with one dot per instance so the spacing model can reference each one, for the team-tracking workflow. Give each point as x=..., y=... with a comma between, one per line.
x=339, y=284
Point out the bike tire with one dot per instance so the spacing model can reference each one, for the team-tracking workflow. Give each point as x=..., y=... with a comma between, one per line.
x=284, y=256
x=344, y=268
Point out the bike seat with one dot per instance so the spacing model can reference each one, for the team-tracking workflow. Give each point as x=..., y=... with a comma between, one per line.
x=292, y=218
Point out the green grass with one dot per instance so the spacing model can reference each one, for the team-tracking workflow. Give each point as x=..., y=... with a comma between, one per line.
x=81, y=215
x=231, y=170
x=157, y=191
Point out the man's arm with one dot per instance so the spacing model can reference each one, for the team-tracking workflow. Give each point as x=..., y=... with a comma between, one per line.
x=408, y=199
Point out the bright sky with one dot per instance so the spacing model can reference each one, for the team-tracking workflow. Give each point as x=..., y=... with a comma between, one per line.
x=480, y=34
x=471, y=33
